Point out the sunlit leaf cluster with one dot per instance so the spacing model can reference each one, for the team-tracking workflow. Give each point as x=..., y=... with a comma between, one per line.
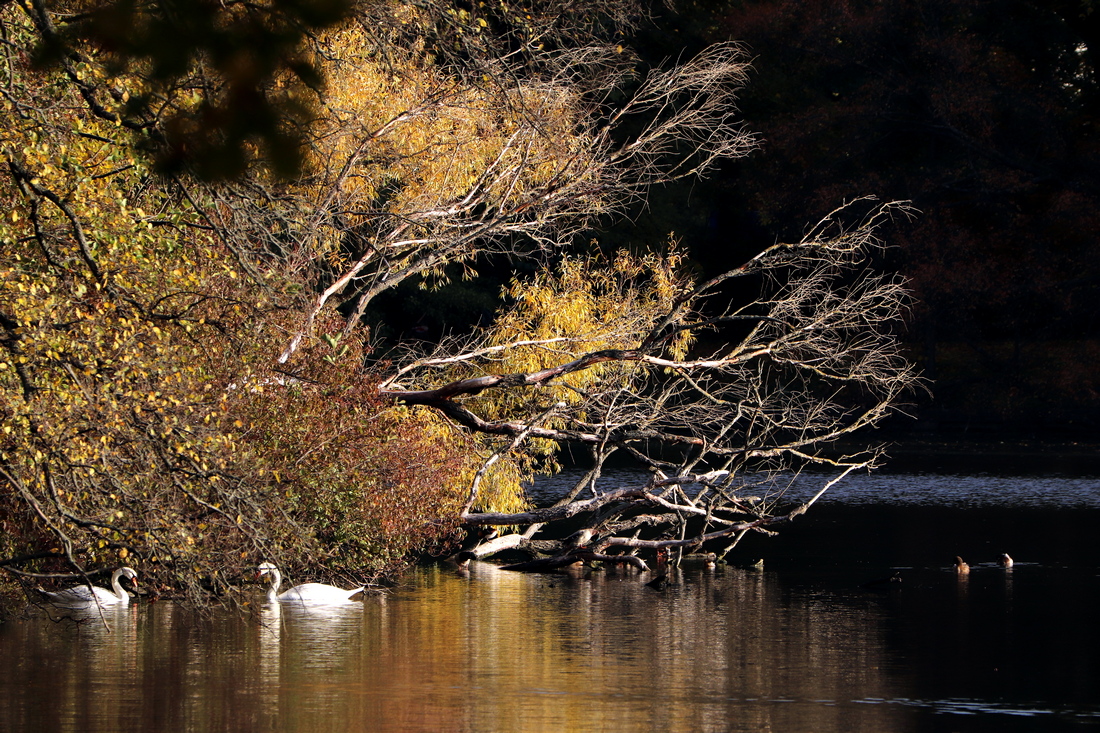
x=407, y=155
x=587, y=305
x=141, y=419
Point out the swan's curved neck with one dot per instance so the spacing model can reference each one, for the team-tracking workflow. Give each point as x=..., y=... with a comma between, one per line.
x=273, y=586
x=116, y=586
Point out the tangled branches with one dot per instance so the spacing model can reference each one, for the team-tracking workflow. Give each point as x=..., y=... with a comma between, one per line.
x=769, y=386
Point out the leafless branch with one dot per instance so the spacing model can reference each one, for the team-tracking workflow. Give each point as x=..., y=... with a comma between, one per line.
x=816, y=361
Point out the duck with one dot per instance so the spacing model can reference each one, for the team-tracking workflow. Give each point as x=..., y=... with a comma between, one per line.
x=81, y=596
x=1006, y=561
x=961, y=567
x=884, y=582
x=462, y=559
x=307, y=593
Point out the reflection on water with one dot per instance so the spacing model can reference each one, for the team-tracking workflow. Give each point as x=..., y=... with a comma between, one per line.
x=717, y=651
x=801, y=646
x=488, y=650
x=960, y=490
x=81, y=660
x=310, y=660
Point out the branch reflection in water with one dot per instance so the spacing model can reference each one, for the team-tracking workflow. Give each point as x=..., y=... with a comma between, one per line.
x=807, y=643
x=720, y=649
x=716, y=650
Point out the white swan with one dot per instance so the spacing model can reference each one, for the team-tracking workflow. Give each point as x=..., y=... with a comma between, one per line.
x=311, y=593
x=82, y=595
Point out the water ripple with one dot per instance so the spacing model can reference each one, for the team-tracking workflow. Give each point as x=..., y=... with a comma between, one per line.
x=966, y=706
x=931, y=489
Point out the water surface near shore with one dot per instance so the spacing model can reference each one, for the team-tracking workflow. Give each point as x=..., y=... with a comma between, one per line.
x=806, y=644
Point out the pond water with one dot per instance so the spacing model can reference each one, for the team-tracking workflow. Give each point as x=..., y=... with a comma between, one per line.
x=802, y=645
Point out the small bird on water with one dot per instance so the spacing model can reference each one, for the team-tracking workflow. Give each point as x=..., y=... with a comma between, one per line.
x=658, y=583
x=1006, y=561
x=961, y=567
x=462, y=559
x=884, y=582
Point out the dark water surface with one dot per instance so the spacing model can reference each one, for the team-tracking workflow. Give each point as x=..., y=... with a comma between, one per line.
x=799, y=646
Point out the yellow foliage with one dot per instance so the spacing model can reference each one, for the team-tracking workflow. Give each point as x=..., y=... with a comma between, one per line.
x=587, y=305
x=131, y=342
x=398, y=136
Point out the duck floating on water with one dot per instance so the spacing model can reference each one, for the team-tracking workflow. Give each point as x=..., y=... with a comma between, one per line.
x=462, y=559
x=961, y=567
x=1006, y=561
x=884, y=582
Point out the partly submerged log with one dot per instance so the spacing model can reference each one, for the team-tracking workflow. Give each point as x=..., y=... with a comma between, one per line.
x=550, y=564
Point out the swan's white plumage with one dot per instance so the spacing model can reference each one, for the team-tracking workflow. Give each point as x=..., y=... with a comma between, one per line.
x=308, y=593
x=81, y=595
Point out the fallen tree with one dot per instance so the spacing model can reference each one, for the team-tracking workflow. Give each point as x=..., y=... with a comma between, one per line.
x=717, y=389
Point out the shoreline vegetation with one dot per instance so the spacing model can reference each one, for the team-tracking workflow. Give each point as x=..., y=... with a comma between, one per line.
x=210, y=357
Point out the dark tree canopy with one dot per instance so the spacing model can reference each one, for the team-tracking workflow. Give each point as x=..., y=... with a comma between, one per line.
x=224, y=82
x=984, y=115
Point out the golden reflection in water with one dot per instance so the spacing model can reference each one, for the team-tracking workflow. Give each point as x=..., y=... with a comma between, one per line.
x=509, y=652
x=270, y=636
x=727, y=650
x=106, y=647
x=87, y=650
x=321, y=667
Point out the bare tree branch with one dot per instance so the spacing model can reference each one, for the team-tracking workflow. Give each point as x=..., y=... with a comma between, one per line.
x=816, y=361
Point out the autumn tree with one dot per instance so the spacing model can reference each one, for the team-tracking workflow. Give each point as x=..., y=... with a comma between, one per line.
x=190, y=380
x=141, y=424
